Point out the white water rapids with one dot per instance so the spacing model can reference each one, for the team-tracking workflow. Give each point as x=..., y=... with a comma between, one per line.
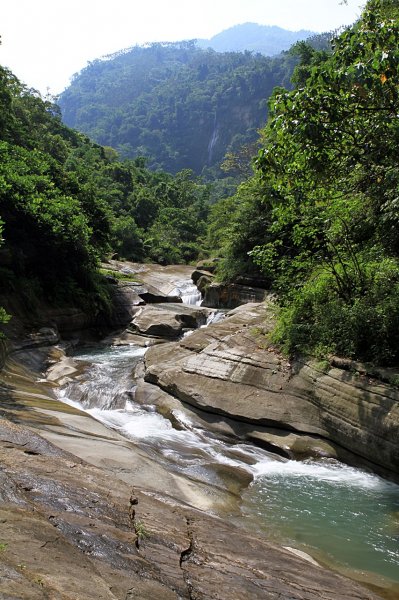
x=188, y=292
x=347, y=514
x=344, y=514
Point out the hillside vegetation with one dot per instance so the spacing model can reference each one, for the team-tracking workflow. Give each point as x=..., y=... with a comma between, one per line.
x=174, y=103
x=66, y=202
x=319, y=218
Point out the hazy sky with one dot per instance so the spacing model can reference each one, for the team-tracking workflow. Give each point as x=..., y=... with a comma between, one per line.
x=44, y=42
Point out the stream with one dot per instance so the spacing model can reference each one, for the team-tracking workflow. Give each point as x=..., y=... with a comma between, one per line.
x=343, y=516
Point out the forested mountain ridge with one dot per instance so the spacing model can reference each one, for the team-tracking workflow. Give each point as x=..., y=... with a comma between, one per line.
x=318, y=219
x=177, y=104
x=265, y=39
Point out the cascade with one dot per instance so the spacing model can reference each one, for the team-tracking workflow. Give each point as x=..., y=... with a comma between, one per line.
x=188, y=292
x=345, y=515
x=213, y=140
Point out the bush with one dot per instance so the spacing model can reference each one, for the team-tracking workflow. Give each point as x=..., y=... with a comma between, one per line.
x=365, y=327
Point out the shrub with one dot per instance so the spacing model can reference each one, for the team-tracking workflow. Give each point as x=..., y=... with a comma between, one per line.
x=364, y=327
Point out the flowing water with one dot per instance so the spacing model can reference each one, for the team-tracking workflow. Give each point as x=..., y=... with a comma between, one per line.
x=188, y=292
x=344, y=515
x=349, y=516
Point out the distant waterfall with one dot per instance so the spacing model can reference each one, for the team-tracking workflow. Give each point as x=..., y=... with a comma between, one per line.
x=213, y=140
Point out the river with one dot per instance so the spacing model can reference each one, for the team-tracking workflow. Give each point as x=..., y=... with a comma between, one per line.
x=343, y=516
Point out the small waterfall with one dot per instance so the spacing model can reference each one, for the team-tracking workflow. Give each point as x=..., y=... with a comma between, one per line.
x=108, y=385
x=213, y=140
x=188, y=292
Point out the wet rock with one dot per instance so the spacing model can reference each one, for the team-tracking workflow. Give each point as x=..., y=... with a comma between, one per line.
x=230, y=295
x=167, y=320
x=196, y=275
x=77, y=539
x=63, y=370
x=124, y=301
x=208, y=265
x=230, y=369
x=153, y=296
x=202, y=283
x=45, y=336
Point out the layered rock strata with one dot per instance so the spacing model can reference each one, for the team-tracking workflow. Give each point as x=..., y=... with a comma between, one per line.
x=71, y=530
x=230, y=369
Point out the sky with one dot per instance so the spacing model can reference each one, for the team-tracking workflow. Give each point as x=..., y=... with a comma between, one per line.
x=45, y=42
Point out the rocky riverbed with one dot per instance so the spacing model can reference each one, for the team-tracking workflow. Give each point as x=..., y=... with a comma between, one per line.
x=87, y=513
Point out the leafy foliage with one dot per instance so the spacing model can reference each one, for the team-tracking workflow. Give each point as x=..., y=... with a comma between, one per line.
x=66, y=202
x=326, y=188
x=178, y=105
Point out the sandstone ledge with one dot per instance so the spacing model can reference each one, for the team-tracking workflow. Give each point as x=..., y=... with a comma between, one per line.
x=230, y=370
x=70, y=530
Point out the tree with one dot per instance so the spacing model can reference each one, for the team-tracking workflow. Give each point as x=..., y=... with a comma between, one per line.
x=328, y=180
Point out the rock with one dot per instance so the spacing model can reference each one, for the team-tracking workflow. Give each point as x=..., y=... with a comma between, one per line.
x=231, y=370
x=293, y=445
x=208, y=264
x=203, y=283
x=167, y=320
x=153, y=296
x=62, y=371
x=161, y=278
x=124, y=301
x=45, y=336
x=125, y=338
x=115, y=543
x=70, y=320
x=255, y=281
x=230, y=295
x=196, y=275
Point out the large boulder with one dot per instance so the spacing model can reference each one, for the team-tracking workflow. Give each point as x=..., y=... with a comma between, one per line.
x=125, y=299
x=167, y=320
x=230, y=369
x=231, y=295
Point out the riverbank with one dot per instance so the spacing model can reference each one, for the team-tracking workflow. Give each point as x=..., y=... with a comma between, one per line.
x=89, y=511
x=183, y=550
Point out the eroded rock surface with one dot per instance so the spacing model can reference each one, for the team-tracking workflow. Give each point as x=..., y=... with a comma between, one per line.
x=167, y=320
x=230, y=369
x=71, y=531
x=231, y=295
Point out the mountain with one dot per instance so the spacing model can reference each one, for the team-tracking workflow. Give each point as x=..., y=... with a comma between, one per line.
x=266, y=39
x=177, y=104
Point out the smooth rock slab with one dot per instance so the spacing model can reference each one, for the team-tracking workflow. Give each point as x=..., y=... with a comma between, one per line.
x=230, y=369
x=167, y=320
x=73, y=531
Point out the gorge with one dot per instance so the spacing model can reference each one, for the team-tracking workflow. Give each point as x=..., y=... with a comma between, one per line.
x=184, y=458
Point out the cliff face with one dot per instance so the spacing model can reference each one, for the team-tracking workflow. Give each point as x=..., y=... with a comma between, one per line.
x=226, y=370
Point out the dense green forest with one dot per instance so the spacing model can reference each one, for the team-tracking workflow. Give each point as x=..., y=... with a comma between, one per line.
x=174, y=103
x=319, y=218
x=66, y=202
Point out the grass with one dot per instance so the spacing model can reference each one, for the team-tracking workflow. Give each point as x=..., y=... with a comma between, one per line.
x=118, y=275
x=140, y=530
